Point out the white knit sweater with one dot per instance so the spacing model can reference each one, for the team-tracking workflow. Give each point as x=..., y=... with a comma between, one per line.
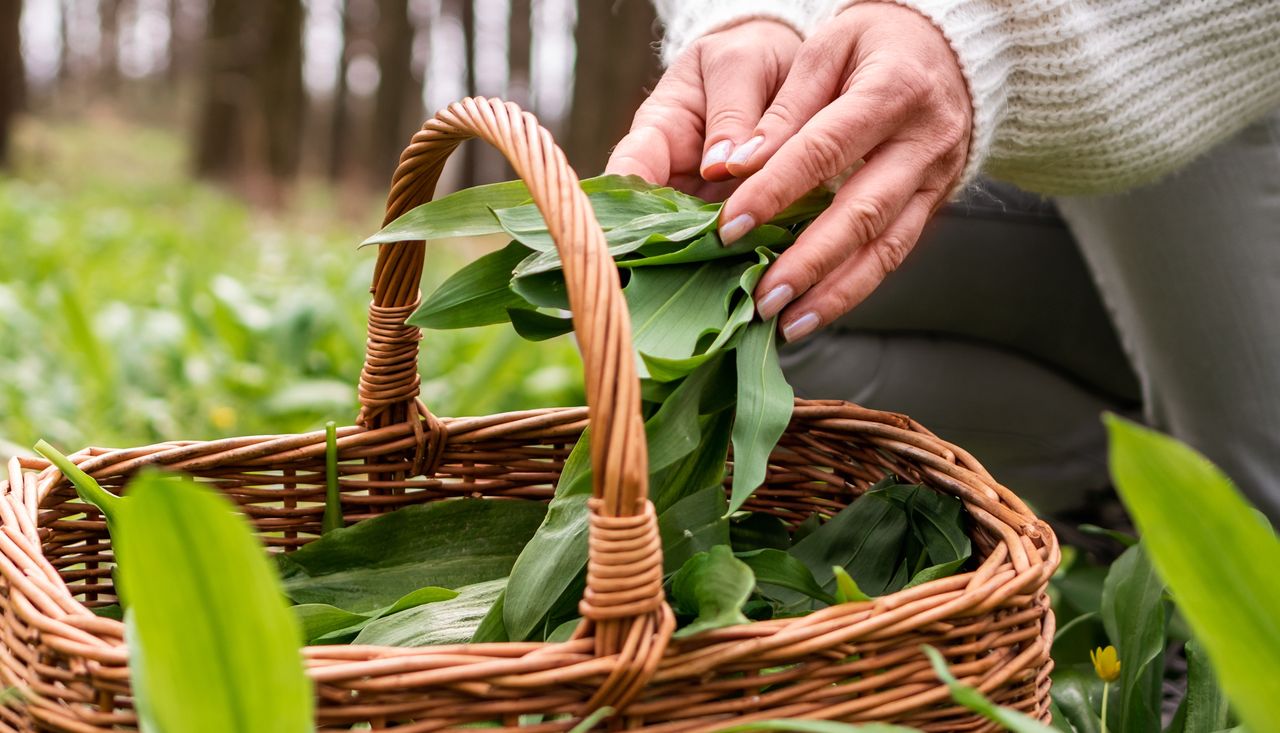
x=1074, y=96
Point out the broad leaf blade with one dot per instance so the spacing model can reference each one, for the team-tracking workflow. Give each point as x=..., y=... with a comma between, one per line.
x=477, y=295
x=444, y=543
x=1133, y=612
x=777, y=568
x=713, y=585
x=692, y=525
x=864, y=538
x=765, y=401
x=217, y=650
x=1181, y=505
x=452, y=621
x=467, y=213
x=974, y=700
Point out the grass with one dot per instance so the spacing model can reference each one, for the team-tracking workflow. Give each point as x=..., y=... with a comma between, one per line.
x=138, y=306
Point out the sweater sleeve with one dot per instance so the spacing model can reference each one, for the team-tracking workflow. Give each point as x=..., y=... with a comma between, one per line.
x=686, y=21
x=1094, y=96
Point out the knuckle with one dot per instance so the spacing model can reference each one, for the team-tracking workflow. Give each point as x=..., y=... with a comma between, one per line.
x=821, y=157
x=783, y=113
x=890, y=251
x=866, y=217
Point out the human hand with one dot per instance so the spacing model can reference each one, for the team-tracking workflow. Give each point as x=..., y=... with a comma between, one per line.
x=879, y=83
x=707, y=102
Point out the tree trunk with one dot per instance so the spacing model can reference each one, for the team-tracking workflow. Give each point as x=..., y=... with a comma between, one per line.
x=339, y=123
x=615, y=65
x=253, y=105
x=465, y=12
x=519, y=52
x=109, y=49
x=12, y=73
x=396, y=98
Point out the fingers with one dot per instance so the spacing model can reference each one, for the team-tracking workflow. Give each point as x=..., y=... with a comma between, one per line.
x=642, y=152
x=853, y=280
x=835, y=138
x=666, y=133
x=738, y=81
x=863, y=209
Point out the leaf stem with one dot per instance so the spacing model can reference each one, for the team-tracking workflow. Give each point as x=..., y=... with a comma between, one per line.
x=332, y=496
x=1106, y=687
x=87, y=488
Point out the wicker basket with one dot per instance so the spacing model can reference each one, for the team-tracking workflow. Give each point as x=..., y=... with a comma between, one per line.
x=854, y=662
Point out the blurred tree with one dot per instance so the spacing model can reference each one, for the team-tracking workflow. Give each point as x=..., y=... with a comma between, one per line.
x=615, y=63
x=339, y=118
x=253, y=100
x=184, y=39
x=472, y=154
x=520, y=52
x=108, y=76
x=12, y=73
x=398, y=103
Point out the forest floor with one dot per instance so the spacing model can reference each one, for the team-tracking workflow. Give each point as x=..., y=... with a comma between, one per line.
x=137, y=305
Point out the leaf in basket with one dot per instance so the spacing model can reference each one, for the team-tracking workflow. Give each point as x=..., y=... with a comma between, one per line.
x=665, y=368
x=1217, y=555
x=774, y=567
x=674, y=431
x=492, y=629
x=692, y=525
x=554, y=556
x=325, y=624
x=452, y=621
x=466, y=213
x=713, y=586
x=765, y=401
x=672, y=308
x=865, y=538
x=1134, y=614
x=212, y=650
x=759, y=530
x=477, y=295
x=534, y=325
x=647, y=230
x=443, y=543
x=612, y=209
x=801, y=725
x=847, y=590
x=704, y=466
x=709, y=247
x=974, y=700
x=332, y=518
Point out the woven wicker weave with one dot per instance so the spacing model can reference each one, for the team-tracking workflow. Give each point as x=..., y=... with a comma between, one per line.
x=856, y=661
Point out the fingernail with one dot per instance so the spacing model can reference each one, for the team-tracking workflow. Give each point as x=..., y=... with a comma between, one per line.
x=746, y=150
x=736, y=228
x=774, y=301
x=718, y=153
x=800, y=327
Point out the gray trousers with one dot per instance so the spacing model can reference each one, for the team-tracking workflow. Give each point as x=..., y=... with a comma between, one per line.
x=1016, y=322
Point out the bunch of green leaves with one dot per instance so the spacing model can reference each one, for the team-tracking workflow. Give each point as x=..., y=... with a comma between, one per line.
x=212, y=644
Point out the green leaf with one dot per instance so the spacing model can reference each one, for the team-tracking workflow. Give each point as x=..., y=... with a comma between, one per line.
x=479, y=294
x=647, y=230
x=1124, y=539
x=847, y=590
x=673, y=307
x=325, y=624
x=1229, y=594
x=774, y=567
x=1205, y=703
x=612, y=208
x=466, y=213
x=765, y=401
x=703, y=467
x=544, y=290
x=564, y=631
x=935, y=572
x=974, y=700
x=862, y=538
x=492, y=628
x=553, y=557
x=533, y=325
x=215, y=650
x=453, y=621
x=86, y=487
x=443, y=543
x=332, y=518
x=713, y=585
x=1071, y=693
x=799, y=725
x=1133, y=612
x=709, y=247
x=589, y=722
x=674, y=431
x=759, y=530
x=692, y=525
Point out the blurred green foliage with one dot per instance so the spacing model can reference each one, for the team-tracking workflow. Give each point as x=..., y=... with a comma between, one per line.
x=137, y=306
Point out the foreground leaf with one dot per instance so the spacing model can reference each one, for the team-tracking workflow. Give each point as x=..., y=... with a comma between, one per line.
x=713, y=585
x=216, y=650
x=444, y=543
x=466, y=213
x=479, y=294
x=765, y=402
x=88, y=489
x=1229, y=593
x=672, y=307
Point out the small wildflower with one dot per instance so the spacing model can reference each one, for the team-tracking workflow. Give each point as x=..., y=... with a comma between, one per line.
x=223, y=417
x=1106, y=663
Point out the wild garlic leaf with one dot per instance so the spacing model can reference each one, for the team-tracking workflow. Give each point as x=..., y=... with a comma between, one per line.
x=325, y=624
x=444, y=543
x=709, y=247
x=547, y=565
x=777, y=568
x=451, y=621
x=847, y=590
x=1134, y=614
x=479, y=294
x=651, y=229
x=973, y=699
x=704, y=466
x=672, y=308
x=758, y=530
x=864, y=538
x=211, y=650
x=765, y=402
x=713, y=586
x=466, y=213
x=692, y=525
x=612, y=209
x=534, y=325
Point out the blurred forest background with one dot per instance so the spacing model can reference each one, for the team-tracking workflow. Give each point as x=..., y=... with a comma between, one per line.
x=183, y=183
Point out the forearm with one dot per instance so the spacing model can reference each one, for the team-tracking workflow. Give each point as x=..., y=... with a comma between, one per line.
x=1088, y=96
x=687, y=20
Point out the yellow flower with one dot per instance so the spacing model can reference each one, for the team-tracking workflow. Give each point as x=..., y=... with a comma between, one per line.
x=222, y=417
x=1106, y=663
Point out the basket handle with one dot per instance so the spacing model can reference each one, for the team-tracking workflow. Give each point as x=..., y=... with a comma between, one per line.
x=624, y=606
